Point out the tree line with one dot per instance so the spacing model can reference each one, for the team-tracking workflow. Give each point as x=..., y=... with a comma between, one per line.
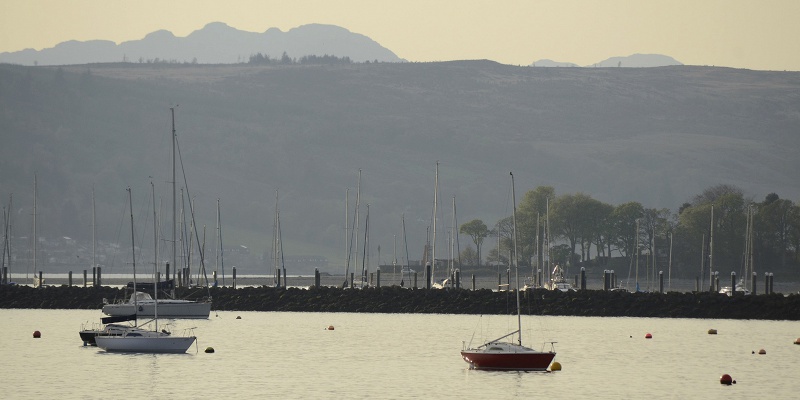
x=580, y=230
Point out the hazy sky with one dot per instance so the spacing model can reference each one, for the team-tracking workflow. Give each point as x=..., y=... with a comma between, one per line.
x=757, y=34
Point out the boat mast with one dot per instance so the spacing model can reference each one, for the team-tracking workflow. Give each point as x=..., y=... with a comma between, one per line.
x=34, y=226
x=405, y=242
x=174, y=203
x=516, y=263
x=365, y=258
x=133, y=259
x=451, y=273
x=394, y=259
x=435, y=201
x=346, y=239
x=155, y=259
x=7, y=239
x=221, y=249
x=669, y=274
x=711, y=253
x=276, y=272
x=355, y=226
x=94, y=231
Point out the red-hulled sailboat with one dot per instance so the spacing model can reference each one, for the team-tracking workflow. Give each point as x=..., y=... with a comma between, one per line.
x=504, y=355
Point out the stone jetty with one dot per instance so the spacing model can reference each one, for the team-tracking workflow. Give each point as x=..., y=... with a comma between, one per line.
x=394, y=299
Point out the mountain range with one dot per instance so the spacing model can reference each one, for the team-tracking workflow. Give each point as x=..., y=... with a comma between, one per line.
x=218, y=43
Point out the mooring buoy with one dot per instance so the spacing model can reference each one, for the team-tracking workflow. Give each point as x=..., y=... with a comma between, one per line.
x=555, y=366
x=209, y=349
x=37, y=334
x=726, y=379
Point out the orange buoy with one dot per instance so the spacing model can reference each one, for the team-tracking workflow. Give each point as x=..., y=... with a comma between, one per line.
x=648, y=336
x=330, y=327
x=37, y=334
x=725, y=379
x=762, y=351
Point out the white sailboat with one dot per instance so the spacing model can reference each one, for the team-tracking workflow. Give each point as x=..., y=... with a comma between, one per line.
x=142, y=303
x=139, y=340
x=509, y=355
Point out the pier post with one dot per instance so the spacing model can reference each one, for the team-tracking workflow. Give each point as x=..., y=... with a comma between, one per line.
x=234, y=277
x=167, y=271
x=316, y=278
x=69, y=278
x=771, y=283
x=41, y=279
x=660, y=281
x=4, y=278
x=613, y=283
x=84, y=278
x=415, y=279
x=285, y=281
x=352, y=280
x=180, y=278
x=753, y=283
x=99, y=276
x=278, y=284
x=716, y=282
x=214, y=276
x=606, y=279
x=94, y=276
x=766, y=282
x=378, y=277
x=733, y=283
x=696, y=284
x=458, y=279
x=499, y=281
x=428, y=276
x=583, y=278
x=473, y=282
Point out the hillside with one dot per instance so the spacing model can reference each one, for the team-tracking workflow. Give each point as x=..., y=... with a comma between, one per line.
x=654, y=135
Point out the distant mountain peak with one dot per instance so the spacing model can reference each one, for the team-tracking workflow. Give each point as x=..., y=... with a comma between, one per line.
x=215, y=43
x=631, y=61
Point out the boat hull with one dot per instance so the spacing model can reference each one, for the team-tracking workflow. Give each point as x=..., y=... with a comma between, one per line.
x=145, y=344
x=508, y=361
x=166, y=309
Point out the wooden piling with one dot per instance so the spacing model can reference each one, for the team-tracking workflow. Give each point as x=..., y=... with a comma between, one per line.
x=660, y=281
x=428, y=276
x=754, y=283
x=378, y=281
x=733, y=283
x=99, y=276
x=316, y=278
x=234, y=277
x=473, y=282
x=69, y=278
x=583, y=278
x=84, y=278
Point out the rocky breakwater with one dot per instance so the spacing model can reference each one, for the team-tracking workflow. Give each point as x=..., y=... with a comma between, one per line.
x=399, y=300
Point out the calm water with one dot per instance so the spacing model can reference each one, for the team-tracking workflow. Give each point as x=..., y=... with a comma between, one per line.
x=292, y=355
